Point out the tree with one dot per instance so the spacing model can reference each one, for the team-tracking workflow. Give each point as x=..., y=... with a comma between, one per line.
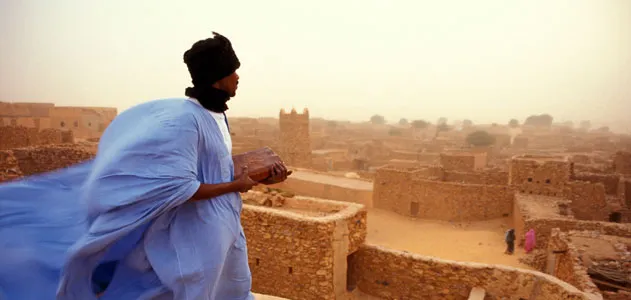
x=442, y=127
x=395, y=131
x=513, y=123
x=544, y=120
x=441, y=120
x=467, y=123
x=604, y=129
x=403, y=121
x=480, y=138
x=378, y=120
x=585, y=125
x=420, y=124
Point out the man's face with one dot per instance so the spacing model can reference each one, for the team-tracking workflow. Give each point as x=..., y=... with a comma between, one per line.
x=228, y=84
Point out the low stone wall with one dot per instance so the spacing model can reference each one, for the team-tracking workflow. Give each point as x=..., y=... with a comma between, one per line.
x=41, y=159
x=391, y=274
x=297, y=256
x=9, y=168
x=568, y=266
x=335, y=188
x=543, y=224
x=17, y=136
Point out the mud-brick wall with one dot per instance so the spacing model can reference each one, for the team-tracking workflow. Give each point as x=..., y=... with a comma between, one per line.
x=390, y=274
x=391, y=190
x=493, y=177
x=35, y=160
x=543, y=227
x=458, y=162
x=67, y=137
x=568, y=266
x=50, y=136
x=300, y=257
x=17, y=136
x=588, y=200
x=539, y=177
x=622, y=162
x=458, y=202
x=610, y=181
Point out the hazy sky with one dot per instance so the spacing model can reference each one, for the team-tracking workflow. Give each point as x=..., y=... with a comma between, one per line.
x=487, y=60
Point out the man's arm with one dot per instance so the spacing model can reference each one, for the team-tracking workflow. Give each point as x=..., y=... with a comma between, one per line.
x=207, y=191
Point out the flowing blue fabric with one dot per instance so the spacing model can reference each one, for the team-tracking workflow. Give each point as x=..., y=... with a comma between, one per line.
x=123, y=220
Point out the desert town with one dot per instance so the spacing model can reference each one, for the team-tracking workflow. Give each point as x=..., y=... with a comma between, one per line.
x=411, y=210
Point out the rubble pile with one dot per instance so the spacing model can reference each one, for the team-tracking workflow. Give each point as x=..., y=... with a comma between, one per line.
x=266, y=197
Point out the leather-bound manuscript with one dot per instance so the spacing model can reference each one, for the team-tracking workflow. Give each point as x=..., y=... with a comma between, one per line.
x=259, y=162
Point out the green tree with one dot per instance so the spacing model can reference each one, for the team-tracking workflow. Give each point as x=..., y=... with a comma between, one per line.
x=378, y=119
x=420, y=124
x=513, y=123
x=480, y=138
x=442, y=127
x=395, y=131
x=544, y=120
x=403, y=121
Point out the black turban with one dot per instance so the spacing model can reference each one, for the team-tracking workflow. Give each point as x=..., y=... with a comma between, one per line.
x=210, y=60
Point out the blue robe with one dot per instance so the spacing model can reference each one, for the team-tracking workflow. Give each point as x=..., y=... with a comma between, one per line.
x=122, y=220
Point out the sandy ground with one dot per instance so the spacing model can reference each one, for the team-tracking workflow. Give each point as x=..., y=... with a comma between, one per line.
x=477, y=241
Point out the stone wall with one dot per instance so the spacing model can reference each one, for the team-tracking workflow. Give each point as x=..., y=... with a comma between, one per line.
x=539, y=175
x=610, y=181
x=544, y=222
x=17, y=136
x=88, y=122
x=622, y=162
x=50, y=136
x=588, y=200
x=333, y=188
x=491, y=177
x=67, y=137
x=625, y=192
x=9, y=168
x=296, y=256
x=391, y=274
x=404, y=193
x=40, y=159
x=463, y=161
x=567, y=263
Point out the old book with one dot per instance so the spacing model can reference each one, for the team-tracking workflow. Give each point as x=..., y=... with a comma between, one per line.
x=259, y=162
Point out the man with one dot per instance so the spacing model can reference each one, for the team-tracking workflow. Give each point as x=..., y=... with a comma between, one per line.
x=159, y=216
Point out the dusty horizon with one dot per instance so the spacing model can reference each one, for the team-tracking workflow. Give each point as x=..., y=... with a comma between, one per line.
x=487, y=61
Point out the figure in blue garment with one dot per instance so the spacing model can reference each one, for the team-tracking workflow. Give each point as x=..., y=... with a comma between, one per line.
x=156, y=215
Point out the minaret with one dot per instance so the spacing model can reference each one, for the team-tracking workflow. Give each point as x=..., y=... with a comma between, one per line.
x=295, y=141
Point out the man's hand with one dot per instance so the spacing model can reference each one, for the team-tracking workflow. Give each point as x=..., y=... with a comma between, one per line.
x=279, y=174
x=244, y=183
